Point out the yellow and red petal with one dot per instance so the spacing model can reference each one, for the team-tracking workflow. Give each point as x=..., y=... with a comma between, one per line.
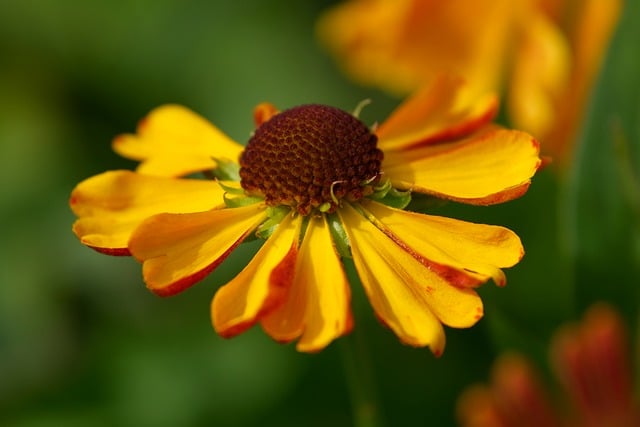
x=487, y=168
x=405, y=294
x=474, y=250
x=262, y=285
x=316, y=308
x=442, y=111
x=174, y=141
x=111, y=205
x=178, y=250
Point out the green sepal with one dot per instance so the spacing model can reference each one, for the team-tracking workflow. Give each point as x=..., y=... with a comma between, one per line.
x=231, y=187
x=381, y=190
x=275, y=216
x=394, y=198
x=226, y=170
x=340, y=238
x=324, y=208
x=240, y=201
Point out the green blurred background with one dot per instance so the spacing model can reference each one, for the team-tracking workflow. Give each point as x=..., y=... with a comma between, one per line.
x=83, y=343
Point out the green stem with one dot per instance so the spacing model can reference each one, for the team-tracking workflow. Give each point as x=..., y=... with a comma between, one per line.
x=359, y=375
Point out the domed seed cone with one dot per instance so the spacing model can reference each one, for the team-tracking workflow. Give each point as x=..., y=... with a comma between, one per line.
x=310, y=157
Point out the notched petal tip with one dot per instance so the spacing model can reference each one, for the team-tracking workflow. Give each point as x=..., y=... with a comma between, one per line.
x=178, y=250
x=182, y=284
x=261, y=287
x=172, y=140
x=98, y=242
x=464, y=254
x=487, y=168
x=322, y=289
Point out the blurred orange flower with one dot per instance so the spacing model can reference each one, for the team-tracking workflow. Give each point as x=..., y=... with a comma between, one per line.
x=317, y=184
x=543, y=53
x=591, y=362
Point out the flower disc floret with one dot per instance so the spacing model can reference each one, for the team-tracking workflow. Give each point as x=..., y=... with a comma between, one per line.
x=309, y=158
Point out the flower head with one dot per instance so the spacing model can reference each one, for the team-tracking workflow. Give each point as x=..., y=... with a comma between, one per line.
x=335, y=157
x=545, y=53
x=591, y=362
x=319, y=186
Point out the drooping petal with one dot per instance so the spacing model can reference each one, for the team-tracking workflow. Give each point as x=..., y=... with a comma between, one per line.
x=111, y=205
x=174, y=141
x=317, y=305
x=476, y=250
x=487, y=168
x=262, y=285
x=442, y=111
x=179, y=250
x=406, y=295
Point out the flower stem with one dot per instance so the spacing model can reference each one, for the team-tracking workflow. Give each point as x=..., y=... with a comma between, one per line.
x=359, y=376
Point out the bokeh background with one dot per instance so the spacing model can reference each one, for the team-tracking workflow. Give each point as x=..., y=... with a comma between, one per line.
x=83, y=343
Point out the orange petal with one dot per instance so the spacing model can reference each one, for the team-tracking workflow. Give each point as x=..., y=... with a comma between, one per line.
x=487, y=168
x=179, y=250
x=352, y=31
x=262, y=285
x=475, y=250
x=111, y=205
x=520, y=393
x=593, y=23
x=173, y=141
x=591, y=359
x=445, y=110
x=406, y=295
x=263, y=113
x=398, y=45
x=540, y=75
x=317, y=305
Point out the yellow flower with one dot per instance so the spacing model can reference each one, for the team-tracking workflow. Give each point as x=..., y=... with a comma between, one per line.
x=544, y=53
x=318, y=185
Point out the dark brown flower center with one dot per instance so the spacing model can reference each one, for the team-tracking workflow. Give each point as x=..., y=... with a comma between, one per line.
x=310, y=157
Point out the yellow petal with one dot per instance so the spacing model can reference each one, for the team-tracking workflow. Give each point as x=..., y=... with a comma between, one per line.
x=173, y=141
x=262, y=285
x=487, y=168
x=317, y=305
x=476, y=250
x=406, y=295
x=444, y=110
x=179, y=250
x=111, y=205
